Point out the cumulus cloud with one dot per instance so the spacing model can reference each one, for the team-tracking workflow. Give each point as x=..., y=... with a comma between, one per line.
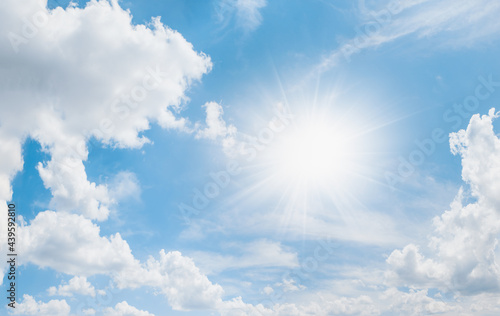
x=79, y=73
x=124, y=309
x=330, y=305
x=463, y=249
x=479, y=148
x=415, y=303
x=11, y=162
x=177, y=277
x=88, y=311
x=218, y=130
x=29, y=306
x=290, y=285
x=76, y=248
x=3, y=245
x=323, y=303
x=77, y=285
x=71, y=191
x=216, y=126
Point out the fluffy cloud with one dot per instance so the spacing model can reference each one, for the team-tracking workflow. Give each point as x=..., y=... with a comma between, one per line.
x=89, y=311
x=3, y=245
x=124, y=309
x=177, y=277
x=479, y=148
x=289, y=285
x=72, y=191
x=79, y=73
x=77, y=285
x=29, y=306
x=76, y=248
x=323, y=306
x=11, y=162
x=232, y=141
x=216, y=126
x=415, y=303
x=323, y=303
x=464, y=245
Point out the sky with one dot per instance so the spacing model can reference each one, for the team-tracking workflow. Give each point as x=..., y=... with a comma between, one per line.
x=250, y=157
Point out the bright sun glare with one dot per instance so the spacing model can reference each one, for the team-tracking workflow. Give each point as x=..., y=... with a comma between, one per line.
x=313, y=152
x=317, y=163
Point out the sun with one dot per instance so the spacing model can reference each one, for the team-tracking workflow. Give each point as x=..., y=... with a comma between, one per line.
x=312, y=152
x=317, y=150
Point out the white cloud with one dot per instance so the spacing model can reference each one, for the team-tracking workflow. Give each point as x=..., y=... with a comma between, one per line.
x=90, y=73
x=216, y=126
x=11, y=162
x=77, y=285
x=415, y=303
x=246, y=12
x=322, y=306
x=289, y=285
x=415, y=268
x=479, y=148
x=71, y=190
x=124, y=309
x=444, y=22
x=125, y=185
x=75, y=247
x=268, y=290
x=3, y=231
x=463, y=249
x=362, y=226
x=177, y=277
x=89, y=311
x=483, y=304
x=29, y=306
x=323, y=303
x=101, y=292
x=77, y=73
x=218, y=130
x=260, y=253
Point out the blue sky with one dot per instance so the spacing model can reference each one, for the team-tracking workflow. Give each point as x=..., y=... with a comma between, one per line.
x=251, y=157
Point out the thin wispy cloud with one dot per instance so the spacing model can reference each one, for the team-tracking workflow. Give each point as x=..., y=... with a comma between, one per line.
x=444, y=23
x=245, y=14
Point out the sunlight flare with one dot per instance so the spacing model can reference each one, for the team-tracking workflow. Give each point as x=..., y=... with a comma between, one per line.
x=314, y=151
